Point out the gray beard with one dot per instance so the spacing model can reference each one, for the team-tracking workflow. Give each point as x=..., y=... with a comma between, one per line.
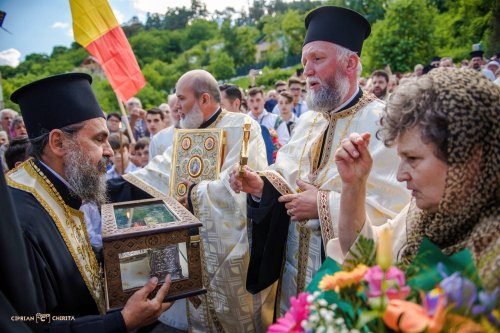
x=193, y=119
x=87, y=181
x=330, y=94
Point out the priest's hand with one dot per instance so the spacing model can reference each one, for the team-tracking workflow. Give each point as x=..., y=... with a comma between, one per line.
x=141, y=311
x=353, y=159
x=250, y=182
x=304, y=205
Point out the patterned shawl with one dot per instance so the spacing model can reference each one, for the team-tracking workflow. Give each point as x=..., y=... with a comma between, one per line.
x=468, y=215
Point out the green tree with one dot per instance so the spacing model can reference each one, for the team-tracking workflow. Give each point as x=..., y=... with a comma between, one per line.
x=294, y=29
x=199, y=30
x=274, y=56
x=153, y=21
x=256, y=11
x=222, y=15
x=403, y=38
x=150, y=45
x=199, y=9
x=465, y=23
x=239, y=43
x=272, y=27
x=177, y=18
x=34, y=64
x=155, y=73
x=372, y=10
x=132, y=27
x=221, y=65
x=105, y=95
x=276, y=6
x=12, y=84
x=151, y=97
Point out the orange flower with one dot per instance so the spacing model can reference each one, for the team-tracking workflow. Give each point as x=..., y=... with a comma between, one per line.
x=342, y=279
x=403, y=316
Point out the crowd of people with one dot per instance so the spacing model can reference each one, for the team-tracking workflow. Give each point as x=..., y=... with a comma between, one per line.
x=277, y=110
x=332, y=155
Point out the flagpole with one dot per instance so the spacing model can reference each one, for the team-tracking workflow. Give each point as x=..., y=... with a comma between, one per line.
x=121, y=150
x=125, y=119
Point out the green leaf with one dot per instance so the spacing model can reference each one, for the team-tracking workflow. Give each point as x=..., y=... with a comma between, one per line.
x=366, y=317
x=363, y=253
x=423, y=272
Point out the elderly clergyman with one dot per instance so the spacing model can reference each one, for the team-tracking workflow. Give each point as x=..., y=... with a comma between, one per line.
x=303, y=186
x=227, y=306
x=68, y=137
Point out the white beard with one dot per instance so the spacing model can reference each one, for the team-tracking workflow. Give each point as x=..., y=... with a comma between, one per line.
x=193, y=119
x=330, y=94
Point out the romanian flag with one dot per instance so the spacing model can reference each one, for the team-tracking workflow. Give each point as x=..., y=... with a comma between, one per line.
x=97, y=30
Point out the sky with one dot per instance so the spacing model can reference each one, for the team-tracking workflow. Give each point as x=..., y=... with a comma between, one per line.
x=36, y=26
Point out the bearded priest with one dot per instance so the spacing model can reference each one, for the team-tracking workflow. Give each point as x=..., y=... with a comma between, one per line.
x=294, y=204
x=69, y=149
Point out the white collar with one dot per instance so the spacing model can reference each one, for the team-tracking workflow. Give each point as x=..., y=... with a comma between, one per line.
x=346, y=102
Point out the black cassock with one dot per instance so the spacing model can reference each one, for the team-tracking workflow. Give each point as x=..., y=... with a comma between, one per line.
x=17, y=292
x=58, y=286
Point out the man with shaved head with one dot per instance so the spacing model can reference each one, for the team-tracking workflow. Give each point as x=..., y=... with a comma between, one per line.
x=227, y=306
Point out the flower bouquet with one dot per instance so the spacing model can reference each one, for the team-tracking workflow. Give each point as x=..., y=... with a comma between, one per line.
x=436, y=293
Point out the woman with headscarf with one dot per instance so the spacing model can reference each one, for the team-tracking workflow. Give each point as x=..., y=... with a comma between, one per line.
x=446, y=129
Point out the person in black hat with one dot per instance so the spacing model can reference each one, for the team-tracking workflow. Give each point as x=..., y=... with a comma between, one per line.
x=303, y=184
x=68, y=143
x=476, y=59
x=435, y=61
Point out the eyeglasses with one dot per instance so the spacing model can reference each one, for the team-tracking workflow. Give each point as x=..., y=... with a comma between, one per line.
x=280, y=91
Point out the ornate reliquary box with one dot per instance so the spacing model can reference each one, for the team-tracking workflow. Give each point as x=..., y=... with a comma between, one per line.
x=146, y=238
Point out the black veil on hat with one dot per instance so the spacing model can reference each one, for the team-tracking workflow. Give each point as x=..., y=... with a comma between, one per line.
x=338, y=25
x=56, y=101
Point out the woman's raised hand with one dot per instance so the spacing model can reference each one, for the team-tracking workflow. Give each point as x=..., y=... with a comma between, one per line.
x=353, y=159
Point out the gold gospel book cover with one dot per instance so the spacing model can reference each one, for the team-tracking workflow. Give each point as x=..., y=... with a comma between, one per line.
x=196, y=155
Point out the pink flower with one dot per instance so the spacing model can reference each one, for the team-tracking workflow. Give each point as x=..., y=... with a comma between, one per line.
x=291, y=322
x=394, y=278
x=374, y=277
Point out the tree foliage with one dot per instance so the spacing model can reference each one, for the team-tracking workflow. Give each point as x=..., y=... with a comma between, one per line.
x=404, y=38
x=221, y=65
x=466, y=22
x=373, y=10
